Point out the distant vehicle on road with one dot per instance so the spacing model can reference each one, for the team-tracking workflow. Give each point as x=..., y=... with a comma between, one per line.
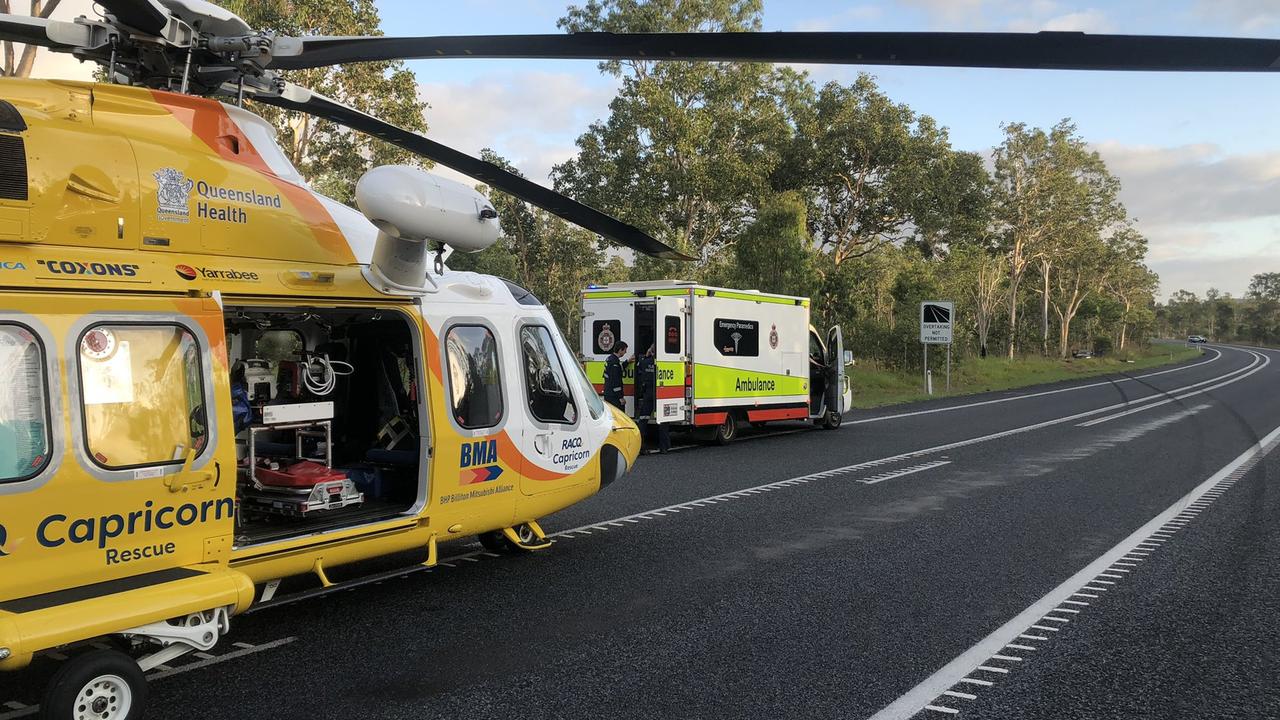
x=1196, y=339
x=1082, y=354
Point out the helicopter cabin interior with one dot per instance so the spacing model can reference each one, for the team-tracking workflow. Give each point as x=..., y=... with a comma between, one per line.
x=329, y=419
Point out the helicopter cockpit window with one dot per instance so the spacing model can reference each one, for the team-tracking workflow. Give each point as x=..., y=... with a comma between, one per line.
x=24, y=410
x=143, y=395
x=475, y=383
x=550, y=398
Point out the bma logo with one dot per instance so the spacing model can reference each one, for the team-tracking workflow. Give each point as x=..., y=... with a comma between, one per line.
x=186, y=272
x=481, y=458
x=173, y=195
x=4, y=536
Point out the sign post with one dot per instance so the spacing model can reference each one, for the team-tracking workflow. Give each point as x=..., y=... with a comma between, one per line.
x=936, y=320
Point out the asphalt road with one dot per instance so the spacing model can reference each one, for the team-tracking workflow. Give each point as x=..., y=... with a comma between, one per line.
x=1107, y=548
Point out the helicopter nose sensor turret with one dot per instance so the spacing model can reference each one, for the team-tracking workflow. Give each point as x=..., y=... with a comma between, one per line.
x=414, y=210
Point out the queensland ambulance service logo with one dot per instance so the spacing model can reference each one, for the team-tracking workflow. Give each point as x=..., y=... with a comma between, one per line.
x=606, y=339
x=173, y=195
x=186, y=272
x=478, y=461
x=4, y=536
x=773, y=337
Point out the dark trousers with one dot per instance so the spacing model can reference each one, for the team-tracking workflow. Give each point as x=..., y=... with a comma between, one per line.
x=659, y=433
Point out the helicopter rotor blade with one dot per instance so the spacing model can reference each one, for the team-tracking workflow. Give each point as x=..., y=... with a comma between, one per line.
x=53, y=34
x=297, y=98
x=1042, y=50
x=148, y=16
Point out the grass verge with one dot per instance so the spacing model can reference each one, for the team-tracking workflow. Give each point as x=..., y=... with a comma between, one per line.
x=874, y=386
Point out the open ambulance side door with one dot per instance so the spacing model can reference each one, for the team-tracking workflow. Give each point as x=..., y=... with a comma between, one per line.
x=672, y=355
x=839, y=393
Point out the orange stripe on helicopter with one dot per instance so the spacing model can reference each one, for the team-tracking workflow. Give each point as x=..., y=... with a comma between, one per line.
x=508, y=453
x=209, y=122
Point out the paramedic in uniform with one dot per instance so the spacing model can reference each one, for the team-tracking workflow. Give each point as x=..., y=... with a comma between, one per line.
x=647, y=401
x=613, y=377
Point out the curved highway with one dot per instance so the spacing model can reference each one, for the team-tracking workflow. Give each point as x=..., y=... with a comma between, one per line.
x=1104, y=548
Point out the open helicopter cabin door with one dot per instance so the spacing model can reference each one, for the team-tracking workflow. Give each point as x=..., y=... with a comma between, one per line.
x=672, y=355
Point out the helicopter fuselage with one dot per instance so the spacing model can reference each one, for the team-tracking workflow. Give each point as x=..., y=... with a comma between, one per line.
x=186, y=330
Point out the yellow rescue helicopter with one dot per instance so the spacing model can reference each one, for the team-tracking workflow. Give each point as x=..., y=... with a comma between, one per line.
x=213, y=378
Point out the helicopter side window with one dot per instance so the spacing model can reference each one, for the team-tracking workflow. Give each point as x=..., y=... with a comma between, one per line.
x=550, y=399
x=142, y=391
x=24, y=408
x=475, y=382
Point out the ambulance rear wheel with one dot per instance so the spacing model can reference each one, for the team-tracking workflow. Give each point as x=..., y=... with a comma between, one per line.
x=727, y=432
x=98, y=685
x=831, y=420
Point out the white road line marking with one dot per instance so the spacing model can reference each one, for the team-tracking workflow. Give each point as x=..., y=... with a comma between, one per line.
x=1077, y=602
x=976, y=681
x=1259, y=362
x=1032, y=637
x=1010, y=658
x=1118, y=577
x=911, y=702
x=243, y=645
x=202, y=655
x=1134, y=378
x=1055, y=619
x=1080, y=594
x=988, y=668
x=1045, y=627
x=15, y=705
x=1108, y=582
x=942, y=709
x=966, y=696
x=169, y=672
x=1066, y=610
x=903, y=472
x=1016, y=646
x=1095, y=589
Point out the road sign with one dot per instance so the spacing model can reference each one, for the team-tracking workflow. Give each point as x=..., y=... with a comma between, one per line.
x=935, y=322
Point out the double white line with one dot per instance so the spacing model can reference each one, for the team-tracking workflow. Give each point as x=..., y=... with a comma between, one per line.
x=1259, y=362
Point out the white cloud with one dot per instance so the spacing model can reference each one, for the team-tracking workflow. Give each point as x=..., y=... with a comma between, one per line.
x=1195, y=183
x=1247, y=15
x=950, y=11
x=849, y=19
x=1212, y=218
x=530, y=118
x=1089, y=20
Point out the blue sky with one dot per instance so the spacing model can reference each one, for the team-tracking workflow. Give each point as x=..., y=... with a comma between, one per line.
x=1198, y=154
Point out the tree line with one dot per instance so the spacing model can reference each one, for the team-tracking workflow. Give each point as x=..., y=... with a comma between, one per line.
x=1254, y=318
x=773, y=181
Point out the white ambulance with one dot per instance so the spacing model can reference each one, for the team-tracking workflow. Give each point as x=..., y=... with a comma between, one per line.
x=724, y=357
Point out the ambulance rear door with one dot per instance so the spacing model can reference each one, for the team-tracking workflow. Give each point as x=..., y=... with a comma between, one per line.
x=605, y=323
x=672, y=355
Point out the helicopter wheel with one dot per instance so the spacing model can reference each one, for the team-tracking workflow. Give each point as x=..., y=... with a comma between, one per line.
x=521, y=538
x=102, y=684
